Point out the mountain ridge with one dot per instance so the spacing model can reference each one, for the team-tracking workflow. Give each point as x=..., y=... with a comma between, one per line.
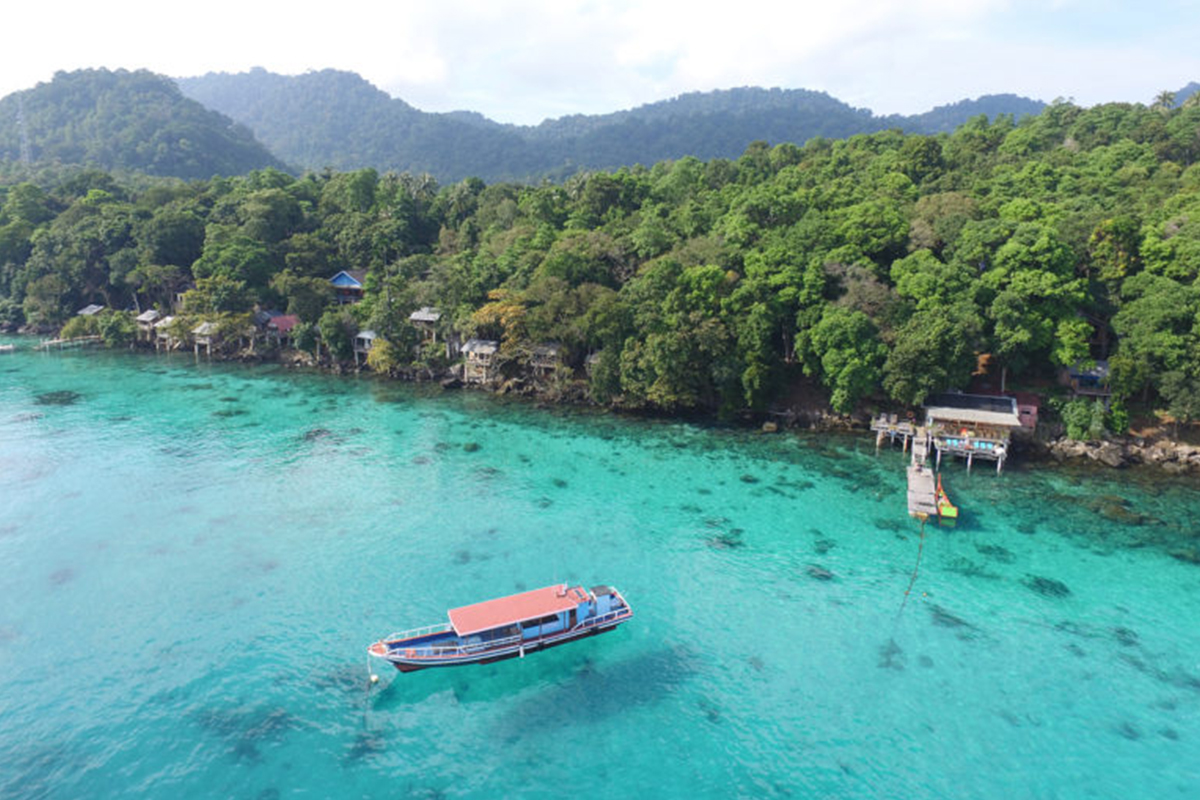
x=389, y=133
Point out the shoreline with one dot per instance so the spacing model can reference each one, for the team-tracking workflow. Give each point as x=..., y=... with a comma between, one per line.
x=1161, y=453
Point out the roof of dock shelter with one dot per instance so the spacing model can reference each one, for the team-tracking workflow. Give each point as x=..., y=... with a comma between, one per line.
x=515, y=608
x=425, y=314
x=974, y=408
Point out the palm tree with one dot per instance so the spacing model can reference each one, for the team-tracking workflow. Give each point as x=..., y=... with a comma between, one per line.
x=1164, y=101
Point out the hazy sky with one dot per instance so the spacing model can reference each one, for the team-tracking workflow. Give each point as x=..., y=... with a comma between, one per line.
x=526, y=60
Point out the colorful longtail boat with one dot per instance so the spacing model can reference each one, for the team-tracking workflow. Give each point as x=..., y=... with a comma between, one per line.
x=508, y=627
x=947, y=511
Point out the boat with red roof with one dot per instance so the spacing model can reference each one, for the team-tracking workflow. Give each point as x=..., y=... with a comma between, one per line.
x=507, y=627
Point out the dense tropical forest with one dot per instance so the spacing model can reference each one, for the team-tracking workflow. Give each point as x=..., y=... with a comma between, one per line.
x=878, y=267
x=337, y=119
x=128, y=121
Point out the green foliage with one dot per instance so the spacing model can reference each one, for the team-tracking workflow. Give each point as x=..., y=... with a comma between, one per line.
x=338, y=328
x=123, y=120
x=885, y=264
x=116, y=328
x=79, y=326
x=218, y=294
x=331, y=118
x=1084, y=419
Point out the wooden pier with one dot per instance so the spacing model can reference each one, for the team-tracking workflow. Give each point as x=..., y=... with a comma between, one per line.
x=62, y=344
x=922, y=493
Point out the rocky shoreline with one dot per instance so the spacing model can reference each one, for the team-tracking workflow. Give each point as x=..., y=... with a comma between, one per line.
x=1176, y=458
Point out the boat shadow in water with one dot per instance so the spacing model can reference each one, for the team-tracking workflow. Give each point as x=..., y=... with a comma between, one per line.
x=598, y=691
x=553, y=689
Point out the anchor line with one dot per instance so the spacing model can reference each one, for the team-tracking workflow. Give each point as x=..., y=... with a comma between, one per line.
x=916, y=570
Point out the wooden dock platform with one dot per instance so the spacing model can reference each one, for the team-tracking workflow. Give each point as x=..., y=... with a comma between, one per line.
x=76, y=341
x=922, y=493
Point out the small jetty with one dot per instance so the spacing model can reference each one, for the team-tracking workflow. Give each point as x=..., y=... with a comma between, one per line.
x=63, y=344
x=922, y=487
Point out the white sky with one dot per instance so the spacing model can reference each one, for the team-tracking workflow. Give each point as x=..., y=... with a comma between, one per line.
x=526, y=60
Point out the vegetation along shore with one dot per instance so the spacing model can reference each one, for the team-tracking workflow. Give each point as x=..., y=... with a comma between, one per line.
x=1057, y=255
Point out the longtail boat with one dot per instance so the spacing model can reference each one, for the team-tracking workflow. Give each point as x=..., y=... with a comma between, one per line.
x=947, y=511
x=507, y=627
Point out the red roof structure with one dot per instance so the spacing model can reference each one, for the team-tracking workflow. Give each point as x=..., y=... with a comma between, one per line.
x=284, y=323
x=515, y=608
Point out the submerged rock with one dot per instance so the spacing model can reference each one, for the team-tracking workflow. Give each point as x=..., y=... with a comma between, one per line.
x=819, y=573
x=891, y=656
x=60, y=398
x=1047, y=587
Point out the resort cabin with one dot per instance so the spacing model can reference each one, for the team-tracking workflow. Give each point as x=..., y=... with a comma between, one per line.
x=205, y=334
x=145, y=323
x=426, y=319
x=89, y=310
x=162, y=334
x=481, y=355
x=348, y=285
x=1087, y=379
x=280, y=328
x=589, y=364
x=262, y=317
x=546, y=358
x=972, y=426
x=363, y=343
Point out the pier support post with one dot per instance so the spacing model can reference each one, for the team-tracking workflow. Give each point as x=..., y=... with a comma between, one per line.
x=969, y=457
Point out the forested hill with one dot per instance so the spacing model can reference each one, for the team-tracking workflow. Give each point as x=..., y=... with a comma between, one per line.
x=337, y=119
x=883, y=266
x=121, y=120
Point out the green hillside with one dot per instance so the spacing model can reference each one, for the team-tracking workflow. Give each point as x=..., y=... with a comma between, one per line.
x=125, y=121
x=337, y=119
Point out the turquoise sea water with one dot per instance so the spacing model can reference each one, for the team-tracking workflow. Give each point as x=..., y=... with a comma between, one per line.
x=194, y=558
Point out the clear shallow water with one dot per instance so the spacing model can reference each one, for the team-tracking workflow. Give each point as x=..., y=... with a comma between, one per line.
x=193, y=560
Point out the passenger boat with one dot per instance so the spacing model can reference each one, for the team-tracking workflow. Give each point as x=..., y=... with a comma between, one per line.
x=947, y=511
x=508, y=627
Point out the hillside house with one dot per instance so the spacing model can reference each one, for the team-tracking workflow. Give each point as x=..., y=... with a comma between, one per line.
x=145, y=323
x=481, y=356
x=348, y=285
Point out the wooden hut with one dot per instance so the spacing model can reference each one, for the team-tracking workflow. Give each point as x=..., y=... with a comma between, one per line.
x=972, y=426
x=426, y=319
x=205, y=334
x=1087, y=379
x=363, y=343
x=162, y=334
x=280, y=328
x=481, y=356
x=348, y=285
x=89, y=310
x=145, y=323
x=545, y=358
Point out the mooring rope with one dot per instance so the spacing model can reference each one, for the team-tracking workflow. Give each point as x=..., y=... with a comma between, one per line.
x=916, y=569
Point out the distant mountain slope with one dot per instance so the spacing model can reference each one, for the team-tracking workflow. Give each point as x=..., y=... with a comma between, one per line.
x=126, y=121
x=337, y=119
x=944, y=119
